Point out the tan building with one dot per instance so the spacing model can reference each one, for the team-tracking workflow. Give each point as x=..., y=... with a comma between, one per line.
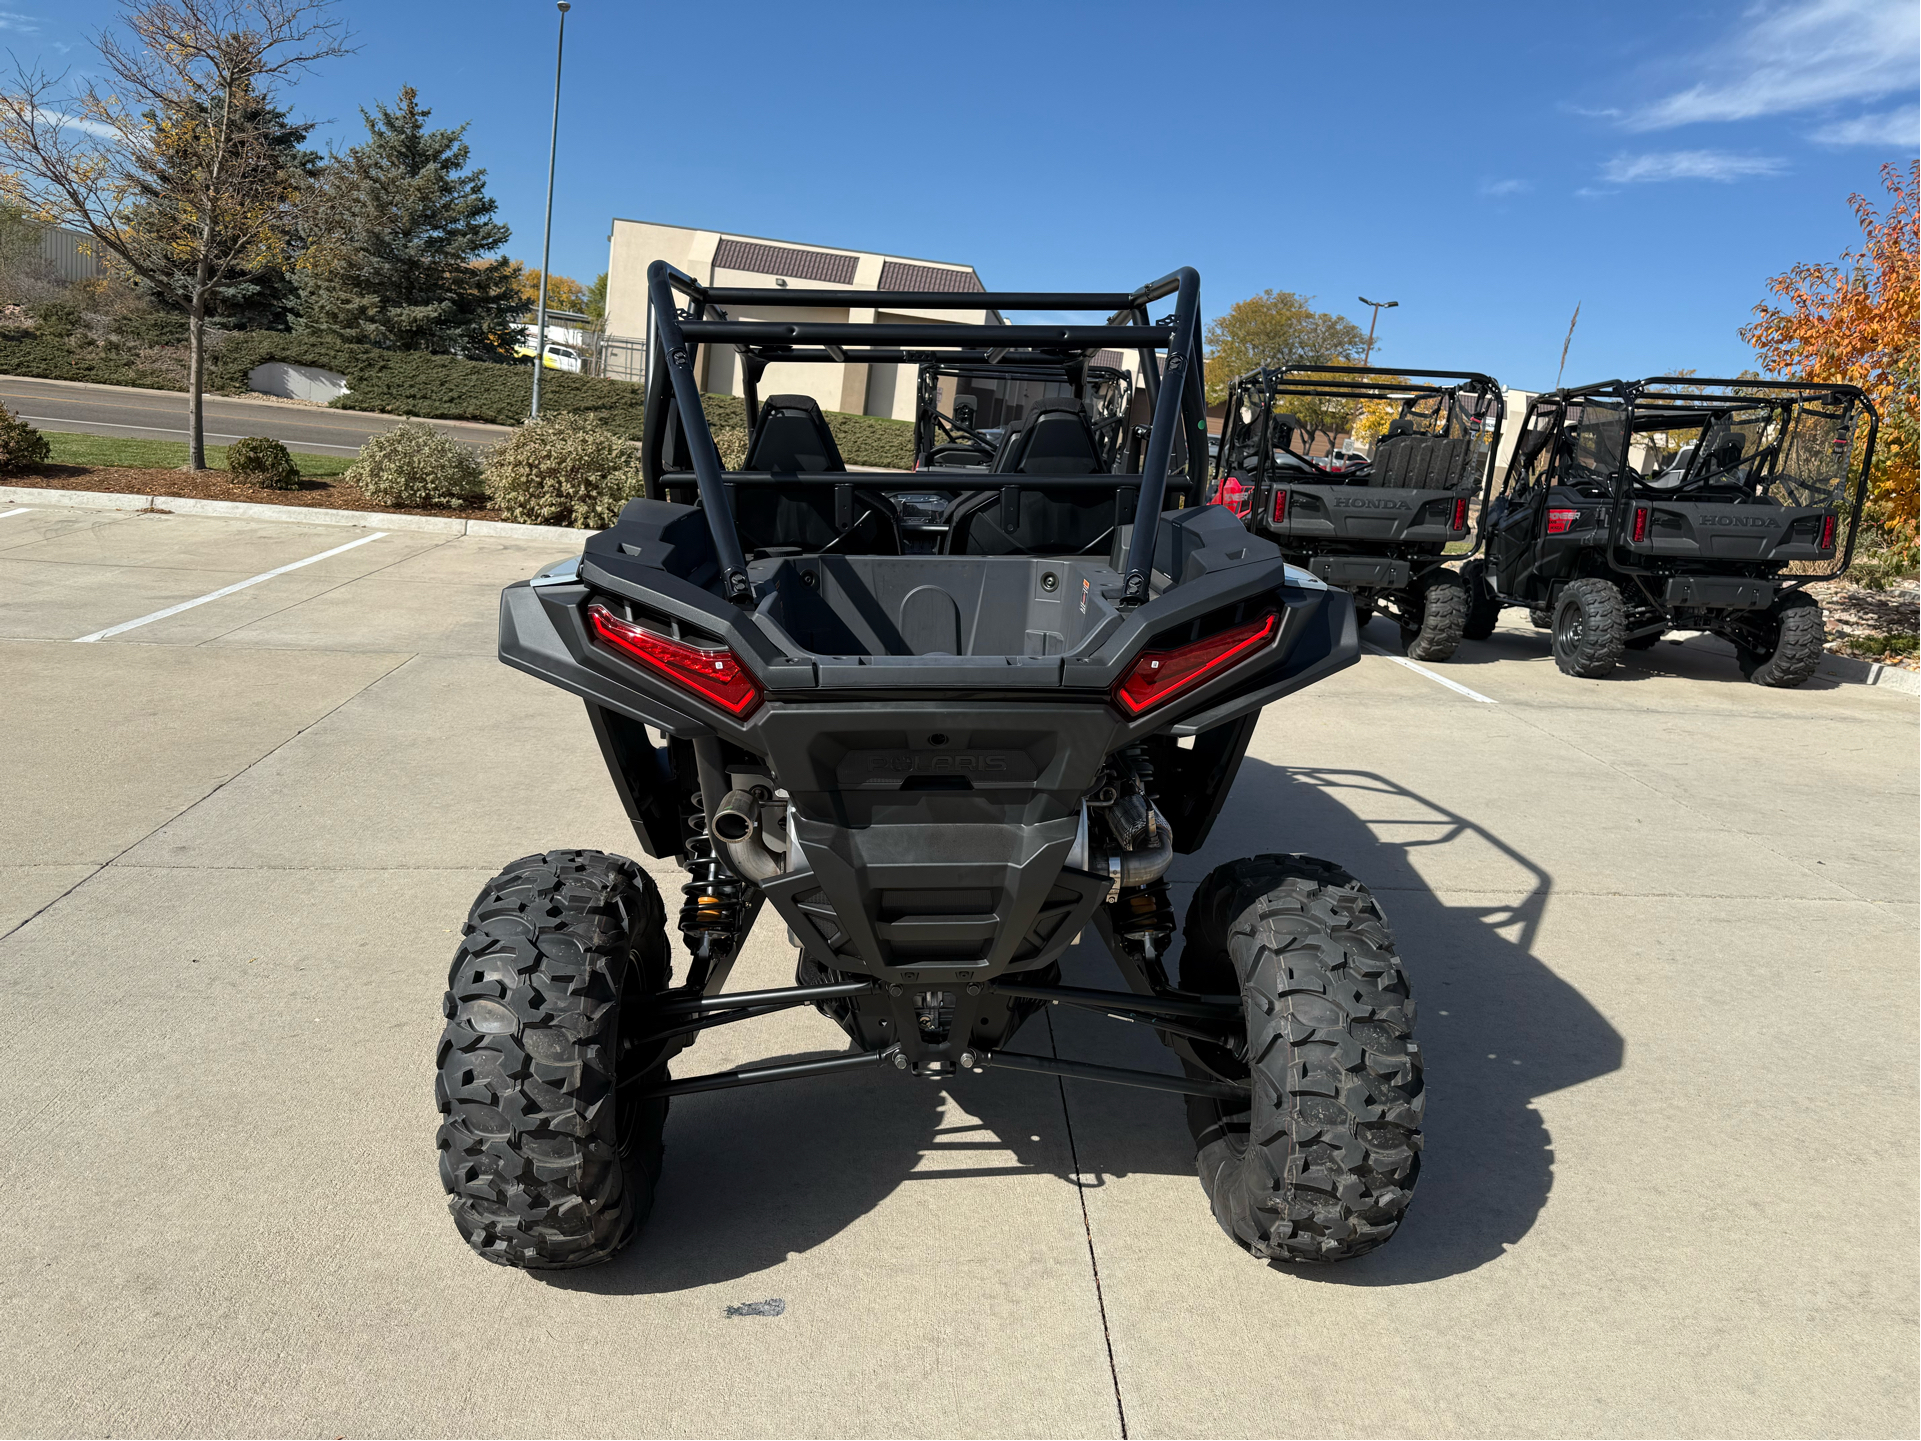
x=751, y=261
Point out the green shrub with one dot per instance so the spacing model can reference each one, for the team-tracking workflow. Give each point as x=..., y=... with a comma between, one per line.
x=21, y=446
x=263, y=461
x=1877, y=569
x=415, y=465
x=563, y=469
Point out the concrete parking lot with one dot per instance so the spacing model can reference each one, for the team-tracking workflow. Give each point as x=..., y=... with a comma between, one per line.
x=1662, y=929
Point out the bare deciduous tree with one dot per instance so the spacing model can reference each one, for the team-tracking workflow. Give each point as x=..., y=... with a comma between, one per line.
x=166, y=161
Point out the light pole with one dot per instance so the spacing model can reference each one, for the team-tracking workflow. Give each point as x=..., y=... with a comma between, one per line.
x=547, y=232
x=1379, y=306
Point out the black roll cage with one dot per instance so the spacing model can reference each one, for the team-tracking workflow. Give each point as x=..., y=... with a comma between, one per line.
x=679, y=331
x=1356, y=382
x=1687, y=395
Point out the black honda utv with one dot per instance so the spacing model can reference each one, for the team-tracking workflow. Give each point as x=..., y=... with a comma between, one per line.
x=1379, y=528
x=1632, y=508
x=937, y=769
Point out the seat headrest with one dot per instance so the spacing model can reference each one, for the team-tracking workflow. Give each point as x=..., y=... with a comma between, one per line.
x=792, y=435
x=1403, y=426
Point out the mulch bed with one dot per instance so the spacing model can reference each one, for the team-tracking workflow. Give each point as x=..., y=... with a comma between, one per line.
x=1851, y=610
x=333, y=493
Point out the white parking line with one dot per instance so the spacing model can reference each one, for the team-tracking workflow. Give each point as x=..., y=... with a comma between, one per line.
x=22, y=511
x=1437, y=679
x=113, y=630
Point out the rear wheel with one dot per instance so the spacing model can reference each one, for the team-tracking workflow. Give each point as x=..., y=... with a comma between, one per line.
x=548, y=1152
x=1483, y=605
x=1319, y=1163
x=1589, y=619
x=1540, y=618
x=1800, y=631
x=1440, y=603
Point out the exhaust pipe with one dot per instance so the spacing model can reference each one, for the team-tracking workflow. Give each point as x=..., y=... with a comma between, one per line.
x=1138, y=866
x=736, y=826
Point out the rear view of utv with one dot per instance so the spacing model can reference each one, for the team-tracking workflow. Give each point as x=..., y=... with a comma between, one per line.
x=1633, y=508
x=1378, y=528
x=936, y=769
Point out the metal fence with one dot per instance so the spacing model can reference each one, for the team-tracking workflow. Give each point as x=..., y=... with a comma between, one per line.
x=73, y=257
x=617, y=357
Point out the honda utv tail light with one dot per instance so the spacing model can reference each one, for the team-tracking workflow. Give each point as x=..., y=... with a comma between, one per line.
x=1640, y=524
x=1280, y=507
x=1460, y=515
x=1827, y=532
x=716, y=676
x=1558, y=521
x=1157, y=676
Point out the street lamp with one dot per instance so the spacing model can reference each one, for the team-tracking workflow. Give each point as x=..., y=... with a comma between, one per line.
x=547, y=232
x=1379, y=306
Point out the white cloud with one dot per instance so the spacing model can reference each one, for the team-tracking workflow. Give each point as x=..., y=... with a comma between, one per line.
x=1895, y=127
x=1795, y=56
x=1504, y=187
x=76, y=122
x=25, y=24
x=1688, y=165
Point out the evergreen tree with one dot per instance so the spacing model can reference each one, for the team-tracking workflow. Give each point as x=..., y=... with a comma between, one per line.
x=262, y=296
x=406, y=259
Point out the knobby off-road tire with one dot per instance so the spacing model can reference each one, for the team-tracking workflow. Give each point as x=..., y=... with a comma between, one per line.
x=1540, y=618
x=1797, y=646
x=1590, y=621
x=548, y=1160
x=1483, y=605
x=1442, y=599
x=1320, y=1163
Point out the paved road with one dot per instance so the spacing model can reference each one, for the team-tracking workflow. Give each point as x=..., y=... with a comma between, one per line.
x=162, y=415
x=1662, y=928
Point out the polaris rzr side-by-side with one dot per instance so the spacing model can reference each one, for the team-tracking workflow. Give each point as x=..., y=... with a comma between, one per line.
x=936, y=769
x=1379, y=528
x=1632, y=508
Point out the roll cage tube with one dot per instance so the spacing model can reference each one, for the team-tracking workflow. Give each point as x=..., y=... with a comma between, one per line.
x=1687, y=394
x=679, y=334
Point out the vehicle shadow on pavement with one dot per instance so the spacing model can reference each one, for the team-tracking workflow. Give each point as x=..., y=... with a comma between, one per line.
x=1499, y=1028
x=757, y=1175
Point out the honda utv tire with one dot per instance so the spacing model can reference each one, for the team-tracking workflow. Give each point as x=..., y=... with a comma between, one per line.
x=1441, y=601
x=1797, y=646
x=1320, y=1162
x=1590, y=621
x=1540, y=618
x=548, y=1153
x=1483, y=605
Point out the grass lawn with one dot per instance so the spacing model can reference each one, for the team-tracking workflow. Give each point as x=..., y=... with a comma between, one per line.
x=70, y=449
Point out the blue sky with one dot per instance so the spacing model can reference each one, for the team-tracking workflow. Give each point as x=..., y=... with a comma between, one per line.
x=1488, y=166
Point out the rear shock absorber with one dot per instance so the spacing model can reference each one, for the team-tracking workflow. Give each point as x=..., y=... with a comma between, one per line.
x=711, y=908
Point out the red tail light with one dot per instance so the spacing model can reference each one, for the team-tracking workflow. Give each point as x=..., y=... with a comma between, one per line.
x=1559, y=520
x=716, y=676
x=1460, y=515
x=1157, y=676
x=1640, y=524
x=1827, y=532
x=1235, y=496
x=1280, y=507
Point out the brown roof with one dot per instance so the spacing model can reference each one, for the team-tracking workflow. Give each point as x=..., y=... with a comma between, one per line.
x=899, y=275
x=786, y=260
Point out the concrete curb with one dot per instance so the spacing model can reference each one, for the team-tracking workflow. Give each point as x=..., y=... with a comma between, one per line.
x=1849, y=671
x=310, y=515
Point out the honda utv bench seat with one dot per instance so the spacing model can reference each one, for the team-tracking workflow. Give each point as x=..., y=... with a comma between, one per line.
x=1406, y=461
x=791, y=436
x=1056, y=439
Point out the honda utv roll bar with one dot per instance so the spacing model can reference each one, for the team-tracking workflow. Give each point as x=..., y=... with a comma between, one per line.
x=1687, y=396
x=675, y=429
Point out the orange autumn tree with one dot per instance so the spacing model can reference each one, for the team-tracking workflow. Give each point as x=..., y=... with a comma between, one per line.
x=1856, y=321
